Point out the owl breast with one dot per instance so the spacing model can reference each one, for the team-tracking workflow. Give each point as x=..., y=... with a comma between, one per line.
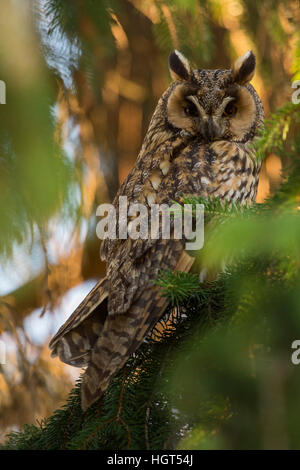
x=222, y=169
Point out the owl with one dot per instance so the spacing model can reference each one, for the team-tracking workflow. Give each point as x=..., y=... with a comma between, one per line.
x=197, y=144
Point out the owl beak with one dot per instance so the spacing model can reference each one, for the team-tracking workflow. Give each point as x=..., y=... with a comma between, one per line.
x=209, y=130
x=207, y=124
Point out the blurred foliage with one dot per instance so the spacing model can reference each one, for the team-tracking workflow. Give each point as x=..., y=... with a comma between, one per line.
x=276, y=131
x=35, y=174
x=82, y=80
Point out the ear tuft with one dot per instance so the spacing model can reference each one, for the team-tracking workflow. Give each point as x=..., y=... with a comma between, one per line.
x=179, y=66
x=244, y=67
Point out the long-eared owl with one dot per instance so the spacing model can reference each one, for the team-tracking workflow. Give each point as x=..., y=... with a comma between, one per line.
x=197, y=143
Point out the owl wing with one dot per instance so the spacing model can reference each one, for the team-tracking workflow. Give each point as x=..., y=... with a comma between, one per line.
x=74, y=340
x=123, y=333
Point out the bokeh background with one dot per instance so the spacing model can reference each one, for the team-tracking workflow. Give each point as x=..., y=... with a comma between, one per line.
x=82, y=80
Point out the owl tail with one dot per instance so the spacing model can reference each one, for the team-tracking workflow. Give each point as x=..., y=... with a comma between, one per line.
x=74, y=341
x=121, y=336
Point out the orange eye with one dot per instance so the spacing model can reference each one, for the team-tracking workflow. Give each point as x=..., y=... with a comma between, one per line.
x=190, y=110
x=230, y=109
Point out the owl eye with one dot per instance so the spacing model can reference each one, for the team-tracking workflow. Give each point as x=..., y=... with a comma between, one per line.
x=190, y=110
x=230, y=109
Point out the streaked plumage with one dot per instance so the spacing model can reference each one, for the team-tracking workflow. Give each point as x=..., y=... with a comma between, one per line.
x=197, y=144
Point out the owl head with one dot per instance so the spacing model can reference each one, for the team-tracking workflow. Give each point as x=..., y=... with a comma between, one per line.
x=213, y=104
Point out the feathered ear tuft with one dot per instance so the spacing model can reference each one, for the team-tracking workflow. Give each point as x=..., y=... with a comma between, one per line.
x=244, y=68
x=179, y=66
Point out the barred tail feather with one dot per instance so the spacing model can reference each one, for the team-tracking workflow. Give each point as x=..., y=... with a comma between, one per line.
x=75, y=339
x=74, y=347
x=121, y=336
